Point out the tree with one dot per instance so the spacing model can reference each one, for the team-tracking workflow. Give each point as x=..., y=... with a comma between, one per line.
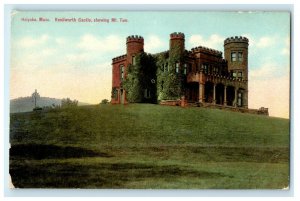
x=67, y=102
x=104, y=101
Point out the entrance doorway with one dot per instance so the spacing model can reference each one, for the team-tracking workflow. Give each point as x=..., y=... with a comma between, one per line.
x=121, y=96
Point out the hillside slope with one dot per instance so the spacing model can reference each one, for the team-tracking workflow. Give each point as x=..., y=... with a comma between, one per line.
x=148, y=146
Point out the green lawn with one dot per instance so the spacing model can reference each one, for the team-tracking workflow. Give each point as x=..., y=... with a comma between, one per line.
x=148, y=146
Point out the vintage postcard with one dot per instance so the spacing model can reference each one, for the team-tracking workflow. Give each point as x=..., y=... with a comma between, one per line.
x=150, y=100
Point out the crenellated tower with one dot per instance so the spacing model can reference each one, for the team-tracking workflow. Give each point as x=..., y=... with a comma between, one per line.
x=134, y=45
x=236, y=53
x=177, y=43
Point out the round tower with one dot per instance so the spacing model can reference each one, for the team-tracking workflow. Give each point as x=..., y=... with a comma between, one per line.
x=236, y=53
x=177, y=43
x=134, y=45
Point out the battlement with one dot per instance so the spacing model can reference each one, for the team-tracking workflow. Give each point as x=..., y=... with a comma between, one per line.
x=177, y=35
x=135, y=38
x=206, y=50
x=119, y=58
x=236, y=39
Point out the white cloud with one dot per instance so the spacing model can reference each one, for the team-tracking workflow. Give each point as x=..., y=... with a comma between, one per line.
x=78, y=58
x=261, y=42
x=61, y=41
x=89, y=42
x=286, y=49
x=268, y=71
x=265, y=41
x=30, y=42
x=47, y=52
x=153, y=44
x=213, y=41
x=34, y=59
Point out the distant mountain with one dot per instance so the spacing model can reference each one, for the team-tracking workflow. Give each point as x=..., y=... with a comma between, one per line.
x=26, y=104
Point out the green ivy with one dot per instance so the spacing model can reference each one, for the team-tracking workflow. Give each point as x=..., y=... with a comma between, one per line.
x=156, y=73
x=170, y=84
x=141, y=77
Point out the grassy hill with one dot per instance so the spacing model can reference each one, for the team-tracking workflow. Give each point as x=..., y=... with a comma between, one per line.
x=148, y=146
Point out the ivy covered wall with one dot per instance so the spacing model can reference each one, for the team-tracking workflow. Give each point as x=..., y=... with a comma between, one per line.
x=152, y=78
x=170, y=75
x=140, y=83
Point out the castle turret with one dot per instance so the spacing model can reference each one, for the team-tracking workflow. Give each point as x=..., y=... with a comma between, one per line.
x=236, y=53
x=176, y=43
x=135, y=45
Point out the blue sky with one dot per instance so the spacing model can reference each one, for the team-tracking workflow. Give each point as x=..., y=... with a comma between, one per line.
x=73, y=59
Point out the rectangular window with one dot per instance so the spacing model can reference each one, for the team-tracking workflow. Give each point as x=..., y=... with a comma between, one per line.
x=233, y=56
x=177, y=67
x=166, y=67
x=133, y=60
x=240, y=56
x=234, y=74
x=240, y=75
x=184, y=69
x=205, y=68
x=214, y=70
x=122, y=71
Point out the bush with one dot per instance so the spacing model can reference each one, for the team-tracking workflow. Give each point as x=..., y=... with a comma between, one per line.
x=67, y=102
x=104, y=101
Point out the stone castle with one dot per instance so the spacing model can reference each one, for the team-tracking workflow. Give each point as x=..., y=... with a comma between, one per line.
x=208, y=78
